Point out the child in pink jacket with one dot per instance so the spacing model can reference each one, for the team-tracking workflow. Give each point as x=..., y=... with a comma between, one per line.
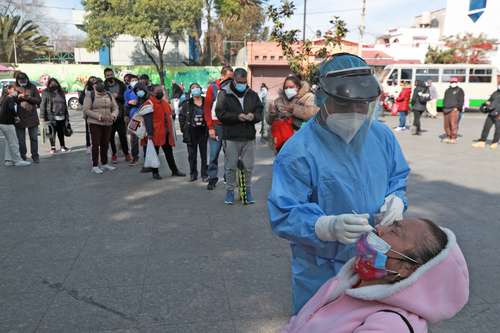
x=432, y=291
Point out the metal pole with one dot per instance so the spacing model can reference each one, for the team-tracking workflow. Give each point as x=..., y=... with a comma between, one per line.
x=304, y=26
x=362, y=29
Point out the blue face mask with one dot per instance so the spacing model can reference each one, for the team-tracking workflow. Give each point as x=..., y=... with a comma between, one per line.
x=196, y=92
x=141, y=93
x=240, y=87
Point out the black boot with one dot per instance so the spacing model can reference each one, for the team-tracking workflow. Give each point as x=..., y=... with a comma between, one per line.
x=157, y=176
x=178, y=174
x=212, y=183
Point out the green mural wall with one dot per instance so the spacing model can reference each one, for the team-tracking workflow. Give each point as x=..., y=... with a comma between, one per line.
x=73, y=77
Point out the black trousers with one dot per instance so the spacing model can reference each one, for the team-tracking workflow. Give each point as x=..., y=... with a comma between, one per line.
x=416, y=120
x=199, y=141
x=120, y=127
x=169, y=156
x=58, y=130
x=87, y=134
x=488, y=123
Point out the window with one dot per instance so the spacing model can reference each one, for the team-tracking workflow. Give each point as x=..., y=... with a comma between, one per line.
x=406, y=74
x=280, y=58
x=393, y=78
x=264, y=57
x=480, y=75
x=256, y=57
x=272, y=57
x=426, y=74
x=448, y=74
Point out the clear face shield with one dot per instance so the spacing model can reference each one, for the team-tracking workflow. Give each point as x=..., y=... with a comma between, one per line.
x=350, y=102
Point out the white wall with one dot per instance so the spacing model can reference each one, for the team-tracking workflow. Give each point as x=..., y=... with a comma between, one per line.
x=84, y=56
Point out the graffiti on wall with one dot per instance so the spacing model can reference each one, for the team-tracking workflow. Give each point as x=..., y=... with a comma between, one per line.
x=73, y=77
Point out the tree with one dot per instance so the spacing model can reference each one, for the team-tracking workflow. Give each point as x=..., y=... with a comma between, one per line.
x=301, y=54
x=466, y=49
x=436, y=56
x=154, y=22
x=26, y=37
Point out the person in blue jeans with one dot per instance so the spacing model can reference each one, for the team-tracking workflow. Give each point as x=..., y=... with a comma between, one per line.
x=214, y=125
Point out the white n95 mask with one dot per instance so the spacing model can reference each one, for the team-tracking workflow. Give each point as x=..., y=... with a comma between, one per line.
x=346, y=125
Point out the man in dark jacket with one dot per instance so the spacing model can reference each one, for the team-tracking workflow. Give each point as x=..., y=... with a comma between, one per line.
x=453, y=104
x=29, y=99
x=492, y=107
x=421, y=96
x=117, y=89
x=238, y=108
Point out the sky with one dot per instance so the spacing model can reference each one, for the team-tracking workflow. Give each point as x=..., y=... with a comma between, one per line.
x=380, y=15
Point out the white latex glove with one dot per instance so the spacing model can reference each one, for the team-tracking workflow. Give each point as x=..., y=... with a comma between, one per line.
x=392, y=209
x=345, y=228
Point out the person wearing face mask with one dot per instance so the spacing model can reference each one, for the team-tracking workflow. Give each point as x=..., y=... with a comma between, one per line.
x=295, y=105
x=238, y=108
x=341, y=162
x=8, y=118
x=214, y=125
x=492, y=108
x=89, y=87
x=29, y=99
x=404, y=277
x=117, y=88
x=453, y=104
x=195, y=132
x=131, y=108
x=101, y=111
x=54, y=112
x=421, y=95
x=159, y=128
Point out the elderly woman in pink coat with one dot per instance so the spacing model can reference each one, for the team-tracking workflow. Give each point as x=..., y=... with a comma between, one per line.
x=404, y=276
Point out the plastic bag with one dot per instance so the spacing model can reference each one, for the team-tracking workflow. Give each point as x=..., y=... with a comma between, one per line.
x=281, y=130
x=151, y=160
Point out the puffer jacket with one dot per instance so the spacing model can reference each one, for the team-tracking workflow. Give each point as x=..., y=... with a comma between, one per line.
x=28, y=106
x=436, y=291
x=302, y=104
x=52, y=106
x=421, y=95
x=104, y=106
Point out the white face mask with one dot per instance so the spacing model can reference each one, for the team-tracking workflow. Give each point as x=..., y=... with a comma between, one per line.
x=346, y=125
x=133, y=83
x=453, y=85
x=290, y=93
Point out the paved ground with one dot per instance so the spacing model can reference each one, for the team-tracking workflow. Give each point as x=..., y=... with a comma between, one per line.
x=121, y=253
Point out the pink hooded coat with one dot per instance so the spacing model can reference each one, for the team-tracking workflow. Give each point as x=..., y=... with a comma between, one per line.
x=435, y=291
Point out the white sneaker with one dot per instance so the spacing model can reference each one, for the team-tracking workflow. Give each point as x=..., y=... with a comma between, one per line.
x=96, y=170
x=398, y=129
x=22, y=163
x=106, y=167
x=8, y=163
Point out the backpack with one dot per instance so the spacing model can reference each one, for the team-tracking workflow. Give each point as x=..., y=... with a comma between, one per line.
x=215, y=95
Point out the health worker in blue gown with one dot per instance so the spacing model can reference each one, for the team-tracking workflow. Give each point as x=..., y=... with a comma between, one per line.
x=339, y=175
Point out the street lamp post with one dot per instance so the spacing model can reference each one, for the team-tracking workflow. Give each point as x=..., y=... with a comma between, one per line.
x=15, y=49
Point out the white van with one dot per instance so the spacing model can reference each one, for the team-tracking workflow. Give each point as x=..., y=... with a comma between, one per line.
x=477, y=81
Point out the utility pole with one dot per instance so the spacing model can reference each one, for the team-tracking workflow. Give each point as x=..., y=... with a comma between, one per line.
x=15, y=49
x=304, y=27
x=362, y=29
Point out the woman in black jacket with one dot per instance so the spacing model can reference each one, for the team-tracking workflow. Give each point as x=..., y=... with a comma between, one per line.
x=195, y=131
x=421, y=96
x=54, y=112
x=89, y=87
x=8, y=118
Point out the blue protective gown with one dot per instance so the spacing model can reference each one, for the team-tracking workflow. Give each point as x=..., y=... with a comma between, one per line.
x=316, y=174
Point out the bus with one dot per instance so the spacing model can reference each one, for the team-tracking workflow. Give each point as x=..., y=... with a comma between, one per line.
x=477, y=81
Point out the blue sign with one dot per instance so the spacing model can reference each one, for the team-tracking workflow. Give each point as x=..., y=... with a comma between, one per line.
x=476, y=9
x=104, y=56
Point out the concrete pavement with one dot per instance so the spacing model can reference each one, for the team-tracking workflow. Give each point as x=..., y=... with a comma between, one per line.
x=120, y=252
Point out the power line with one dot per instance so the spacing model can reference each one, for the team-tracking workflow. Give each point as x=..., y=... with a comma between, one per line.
x=330, y=11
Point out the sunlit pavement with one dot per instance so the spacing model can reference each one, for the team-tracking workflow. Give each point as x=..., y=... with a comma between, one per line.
x=121, y=252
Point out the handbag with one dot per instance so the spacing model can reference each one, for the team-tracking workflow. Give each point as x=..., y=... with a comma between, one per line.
x=68, y=131
x=151, y=160
x=394, y=109
x=281, y=131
